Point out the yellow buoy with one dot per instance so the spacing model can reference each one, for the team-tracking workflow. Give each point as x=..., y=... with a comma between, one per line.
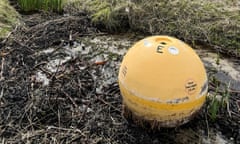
x=162, y=81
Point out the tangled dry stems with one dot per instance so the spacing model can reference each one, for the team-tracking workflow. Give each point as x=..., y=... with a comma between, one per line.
x=212, y=23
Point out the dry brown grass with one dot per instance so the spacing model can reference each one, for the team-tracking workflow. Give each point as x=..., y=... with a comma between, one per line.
x=214, y=23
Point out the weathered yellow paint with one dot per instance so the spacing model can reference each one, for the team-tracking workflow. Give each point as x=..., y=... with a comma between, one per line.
x=162, y=79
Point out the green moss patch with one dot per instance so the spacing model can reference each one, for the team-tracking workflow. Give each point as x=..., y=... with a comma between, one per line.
x=8, y=18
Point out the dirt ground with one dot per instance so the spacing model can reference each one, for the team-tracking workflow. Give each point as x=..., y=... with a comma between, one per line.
x=58, y=84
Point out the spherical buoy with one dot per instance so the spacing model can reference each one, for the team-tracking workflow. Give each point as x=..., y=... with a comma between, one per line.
x=162, y=81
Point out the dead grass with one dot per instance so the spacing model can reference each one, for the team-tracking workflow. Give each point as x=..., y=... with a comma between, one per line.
x=215, y=23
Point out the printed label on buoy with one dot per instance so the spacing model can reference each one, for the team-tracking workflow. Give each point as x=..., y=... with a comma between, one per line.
x=191, y=86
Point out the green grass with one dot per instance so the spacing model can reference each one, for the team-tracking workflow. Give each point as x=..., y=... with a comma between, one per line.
x=219, y=101
x=35, y=5
x=214, y=106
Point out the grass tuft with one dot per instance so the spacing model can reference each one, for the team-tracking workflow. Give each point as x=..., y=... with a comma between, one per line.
x=108, y=15
x=214, y=106
x=47, y=5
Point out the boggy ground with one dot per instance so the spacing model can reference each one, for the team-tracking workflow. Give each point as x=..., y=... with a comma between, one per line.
x=58, y=84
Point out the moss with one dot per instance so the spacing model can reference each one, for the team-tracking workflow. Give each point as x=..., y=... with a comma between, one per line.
x=8, y=18
x=106, y=14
